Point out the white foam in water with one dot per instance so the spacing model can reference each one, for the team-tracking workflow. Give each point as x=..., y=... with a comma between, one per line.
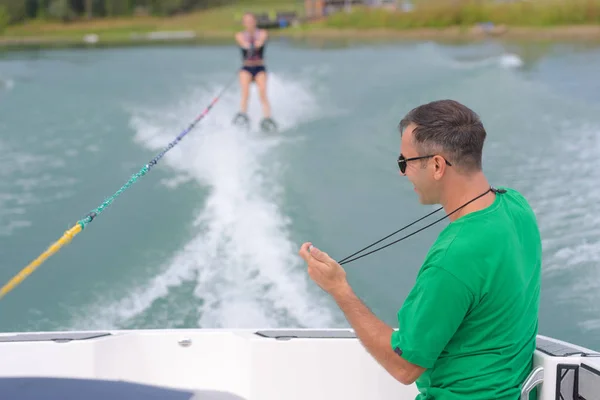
x=6, y=83
x=243, y=265
x=507, y=60
x=511, y=61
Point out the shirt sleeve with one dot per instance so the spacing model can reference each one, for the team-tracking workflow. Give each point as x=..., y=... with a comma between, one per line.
x=431, y=314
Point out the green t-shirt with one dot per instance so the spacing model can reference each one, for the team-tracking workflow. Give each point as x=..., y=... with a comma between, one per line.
x=472, y=317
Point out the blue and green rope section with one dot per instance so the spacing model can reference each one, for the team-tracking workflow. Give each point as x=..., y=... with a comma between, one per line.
x=82, y=223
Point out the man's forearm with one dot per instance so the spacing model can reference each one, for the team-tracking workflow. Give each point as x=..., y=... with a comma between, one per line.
x=374, y=334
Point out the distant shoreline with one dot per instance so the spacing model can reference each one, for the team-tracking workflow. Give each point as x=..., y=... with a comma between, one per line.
x=587, y=33
x=583, y=32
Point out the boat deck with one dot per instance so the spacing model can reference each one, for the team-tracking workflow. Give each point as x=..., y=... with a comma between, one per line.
x=239, y=364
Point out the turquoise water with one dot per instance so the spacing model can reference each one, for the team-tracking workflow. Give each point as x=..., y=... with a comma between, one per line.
x=209, y=237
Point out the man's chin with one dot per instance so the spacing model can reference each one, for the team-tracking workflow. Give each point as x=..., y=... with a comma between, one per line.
x=419, y=195
x=424, y=200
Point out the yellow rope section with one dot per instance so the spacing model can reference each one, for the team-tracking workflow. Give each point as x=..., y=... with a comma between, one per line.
x=70, y=234
x=25, y=272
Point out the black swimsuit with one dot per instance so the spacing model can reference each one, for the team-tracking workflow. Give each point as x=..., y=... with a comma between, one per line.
x=253, y=54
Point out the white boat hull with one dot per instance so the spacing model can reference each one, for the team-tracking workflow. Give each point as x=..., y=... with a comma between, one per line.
x=254, y=365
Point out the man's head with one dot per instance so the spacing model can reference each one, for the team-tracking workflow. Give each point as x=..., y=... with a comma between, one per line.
x=449, y=137
x=249, y=21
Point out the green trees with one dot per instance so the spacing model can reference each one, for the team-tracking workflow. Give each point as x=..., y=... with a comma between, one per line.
x=14, y=11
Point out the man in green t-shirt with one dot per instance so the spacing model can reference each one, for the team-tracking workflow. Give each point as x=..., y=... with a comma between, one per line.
x=468, y=327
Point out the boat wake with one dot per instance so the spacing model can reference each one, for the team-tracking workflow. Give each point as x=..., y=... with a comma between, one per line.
x=240, y=267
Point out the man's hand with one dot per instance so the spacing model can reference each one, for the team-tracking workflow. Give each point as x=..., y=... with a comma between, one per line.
x=325, y=271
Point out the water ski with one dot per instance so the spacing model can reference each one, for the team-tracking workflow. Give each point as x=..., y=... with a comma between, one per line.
x=268, y=125
x=241, y=120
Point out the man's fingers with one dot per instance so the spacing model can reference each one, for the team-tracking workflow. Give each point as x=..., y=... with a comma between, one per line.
x=319, y=255
x=304, y=251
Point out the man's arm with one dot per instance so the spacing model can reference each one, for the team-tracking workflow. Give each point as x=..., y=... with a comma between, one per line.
x=434, y=309
x=375, y=335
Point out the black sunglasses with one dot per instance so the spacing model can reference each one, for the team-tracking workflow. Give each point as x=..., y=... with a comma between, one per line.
x=402, y=161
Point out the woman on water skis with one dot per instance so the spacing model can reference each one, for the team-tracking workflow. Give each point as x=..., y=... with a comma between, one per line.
x=252, y=44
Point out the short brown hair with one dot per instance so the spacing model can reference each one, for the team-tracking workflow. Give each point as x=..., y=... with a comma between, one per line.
x=449, y=127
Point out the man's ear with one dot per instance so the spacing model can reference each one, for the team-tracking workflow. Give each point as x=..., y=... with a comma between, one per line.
x=439, y=167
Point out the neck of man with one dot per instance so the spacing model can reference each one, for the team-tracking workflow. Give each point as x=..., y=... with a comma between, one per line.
x=463, y=189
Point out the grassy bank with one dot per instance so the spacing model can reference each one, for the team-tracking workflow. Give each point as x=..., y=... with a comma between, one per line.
x=430, y=19
x=219, y=19
x=449, y=13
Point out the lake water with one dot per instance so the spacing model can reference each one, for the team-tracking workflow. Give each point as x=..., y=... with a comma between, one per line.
x=209, y=237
